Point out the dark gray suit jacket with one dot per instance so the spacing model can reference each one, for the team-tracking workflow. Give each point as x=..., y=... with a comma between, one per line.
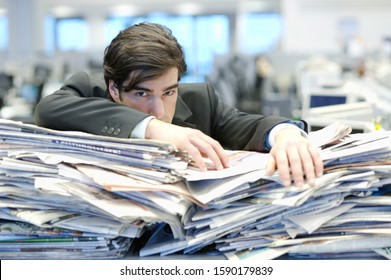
x=82, y=105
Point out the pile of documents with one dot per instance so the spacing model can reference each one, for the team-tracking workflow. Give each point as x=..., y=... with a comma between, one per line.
x=74, y=195
x=347, y=214
x=51, y=208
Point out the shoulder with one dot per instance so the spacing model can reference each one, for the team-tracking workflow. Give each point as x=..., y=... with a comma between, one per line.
x=86, y=78
x=191, y=88
x=199, y=91
x=199, y=97
x=87, y=84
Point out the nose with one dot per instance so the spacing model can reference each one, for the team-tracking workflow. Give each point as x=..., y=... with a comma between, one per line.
x=157, y=108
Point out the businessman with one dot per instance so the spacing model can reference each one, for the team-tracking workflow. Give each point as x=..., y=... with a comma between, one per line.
x=140, y=96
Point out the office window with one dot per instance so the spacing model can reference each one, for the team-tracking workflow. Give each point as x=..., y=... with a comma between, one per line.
x=50, y=24
x=115, y=25
x=202, y=37
x=71, y=34
x=183, y=29
x=3, y=33
x=261, y=32
x=212, y=38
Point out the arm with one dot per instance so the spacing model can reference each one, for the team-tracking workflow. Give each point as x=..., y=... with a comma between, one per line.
x=291, y=154
x=197, y=144
x=233, y=129
x=81, y=105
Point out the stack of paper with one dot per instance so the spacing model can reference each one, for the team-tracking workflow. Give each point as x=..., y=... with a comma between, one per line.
x=76, y=195
x=50, y=206
x=346, y=214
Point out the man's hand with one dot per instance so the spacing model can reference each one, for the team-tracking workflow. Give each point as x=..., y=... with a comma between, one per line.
x=194, y=142
x=295, y=158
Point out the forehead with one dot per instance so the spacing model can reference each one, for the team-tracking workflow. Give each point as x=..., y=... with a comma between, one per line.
x=167, y=79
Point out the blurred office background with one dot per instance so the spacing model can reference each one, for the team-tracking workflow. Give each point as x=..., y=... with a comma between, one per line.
x=320, y=60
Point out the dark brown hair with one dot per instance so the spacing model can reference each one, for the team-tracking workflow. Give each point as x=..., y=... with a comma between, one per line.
x=146, y=51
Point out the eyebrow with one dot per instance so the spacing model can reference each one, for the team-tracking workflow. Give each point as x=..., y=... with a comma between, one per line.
x=149, y=90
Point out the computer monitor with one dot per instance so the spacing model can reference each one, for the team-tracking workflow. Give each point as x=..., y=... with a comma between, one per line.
x=317, y=100
x=358, y=111
x=321, y=97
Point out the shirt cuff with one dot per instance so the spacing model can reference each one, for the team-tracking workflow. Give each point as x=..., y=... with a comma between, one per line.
x=140, y=128
x=273, y=132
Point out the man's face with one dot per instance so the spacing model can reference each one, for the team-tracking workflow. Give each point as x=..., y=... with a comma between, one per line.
x=156, y=97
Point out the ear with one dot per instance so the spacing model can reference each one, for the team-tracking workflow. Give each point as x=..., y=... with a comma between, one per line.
x=114, y=92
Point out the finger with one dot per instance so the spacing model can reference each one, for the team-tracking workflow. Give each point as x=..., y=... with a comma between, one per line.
x=223, y=157
x=208, y=151
x=295, y=164
x=196, y=156
x=317, y=160
x=307, y=163
x=220, y=152
x=271, y=166
x=283, y=167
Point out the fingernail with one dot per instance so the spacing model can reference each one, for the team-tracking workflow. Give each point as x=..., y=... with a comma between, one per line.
x=203, y=168
x=299, y=184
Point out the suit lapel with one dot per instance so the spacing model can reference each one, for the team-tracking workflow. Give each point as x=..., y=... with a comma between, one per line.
x=182, y=113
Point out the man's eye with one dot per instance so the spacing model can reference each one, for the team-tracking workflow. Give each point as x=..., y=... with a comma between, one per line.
x=169, y=93
x=140, y=93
